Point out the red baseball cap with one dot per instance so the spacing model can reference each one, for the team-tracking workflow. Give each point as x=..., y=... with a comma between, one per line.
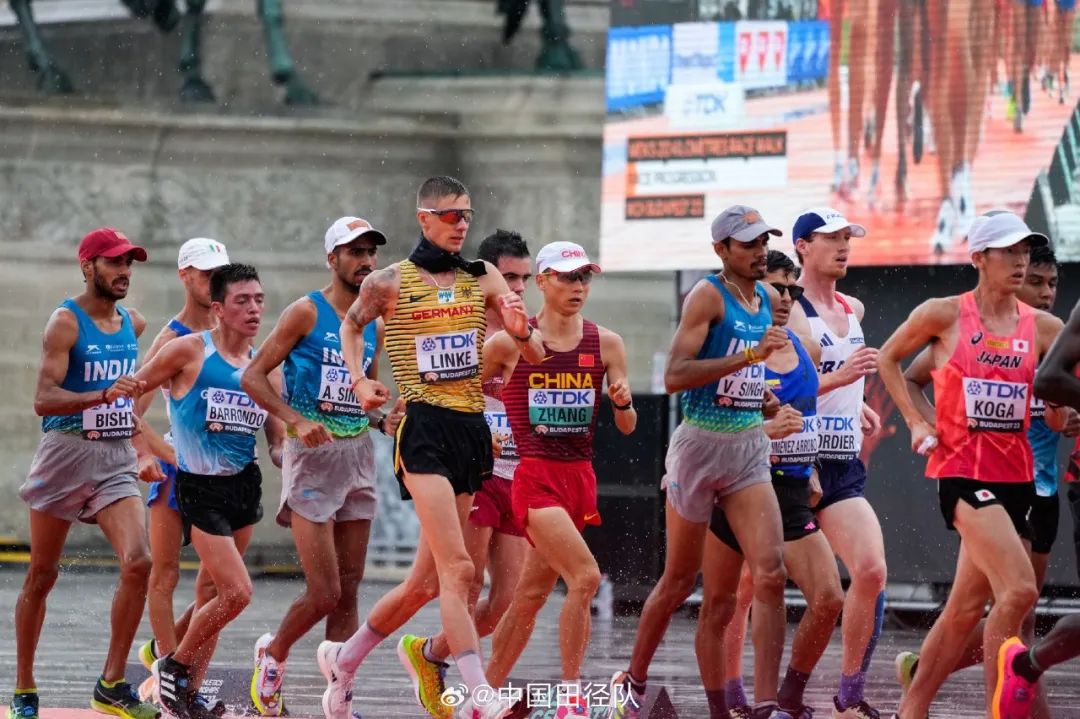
x=107, y=242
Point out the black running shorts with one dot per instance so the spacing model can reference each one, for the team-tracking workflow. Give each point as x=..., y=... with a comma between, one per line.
x=798, y=519
x=1044, y=517
x=1015, y=497
x=451, y=444
x=219, y=505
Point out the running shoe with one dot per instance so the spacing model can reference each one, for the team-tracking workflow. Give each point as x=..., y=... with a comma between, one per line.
x=740, y=712
x=215, y=706
x=173, y=691
x=861, y=710
x=428, y=678
x=146, y=689
x=266, y=679
x=148, y=655
x=574, y=708
x=1013, y=693
x=498, y=709
x=23, y=706
x=800, y=712
x=625, y=702
x=121, y=700
x=905, y=671
x=770, y=711
x=337, y=699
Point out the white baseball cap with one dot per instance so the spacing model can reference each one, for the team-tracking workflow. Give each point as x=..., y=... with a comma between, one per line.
x=346, y=229
x=202, y=253
x=999, y=229
x=563, y=257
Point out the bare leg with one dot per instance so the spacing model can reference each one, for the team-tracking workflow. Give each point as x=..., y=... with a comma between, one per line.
x=812, y=567
x=351, y=543
x=47, y=537
x=166, y=534
x=735, y=632
x=722, y=569
x=124, y=526
x=506, y=559
x=516, y=626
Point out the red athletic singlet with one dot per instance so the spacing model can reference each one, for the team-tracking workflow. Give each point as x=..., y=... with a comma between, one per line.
x=983, y=401
x=552, y=406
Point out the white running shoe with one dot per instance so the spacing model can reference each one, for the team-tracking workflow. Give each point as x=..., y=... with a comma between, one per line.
x=497, y=709
x=337, y=699
x=942, y=239
x=266, y=680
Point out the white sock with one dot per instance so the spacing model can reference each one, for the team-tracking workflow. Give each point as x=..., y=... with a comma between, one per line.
x=358, y=646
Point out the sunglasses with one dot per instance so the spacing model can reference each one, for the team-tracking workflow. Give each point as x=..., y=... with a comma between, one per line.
x=794, y=291
x=582, y=276
x=450, y=217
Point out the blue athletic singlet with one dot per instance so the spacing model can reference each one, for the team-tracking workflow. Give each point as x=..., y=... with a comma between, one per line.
x=215, y=423
x=793, y=456
x=734, y=403
x=1044, y=442
x=152, y=493
x=95, y=361
x=317, y=383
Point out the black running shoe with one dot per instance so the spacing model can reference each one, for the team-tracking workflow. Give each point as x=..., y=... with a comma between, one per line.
x=23, y=706
x=175, y=693
x=121, y=700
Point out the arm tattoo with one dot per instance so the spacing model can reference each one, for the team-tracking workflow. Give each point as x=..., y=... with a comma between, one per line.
x=374, y=297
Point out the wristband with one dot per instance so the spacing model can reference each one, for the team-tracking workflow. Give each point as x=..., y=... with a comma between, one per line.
x=623, y=407
x=526, y=338
x=381, y=424
x=751, y=358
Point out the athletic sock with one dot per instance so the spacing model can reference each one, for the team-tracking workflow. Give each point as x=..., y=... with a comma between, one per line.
x=109, y=685
x=792, y=688
x=734, y=694
x=358, y=646
x=26, y=691
x=637, y=689
x=851, y=689
x=429, y=656
x=717, y=705
x=1026, y=666
x=471, y=669
x=879, y=622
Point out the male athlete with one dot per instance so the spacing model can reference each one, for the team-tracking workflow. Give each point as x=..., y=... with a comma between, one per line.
x=822, y=243
x=719, y=453
x=493, y=537
x=434, y=306
x=328, y=466
x=85, y=467
x=791, y=374
x=1018, y=667
x=218, y=481
x=197, y=260
x=1039, y=291
x=985, y=345
x=553, y=407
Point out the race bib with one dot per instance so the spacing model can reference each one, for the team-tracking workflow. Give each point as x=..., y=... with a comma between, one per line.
x=743, y=390
x=798, y=448
x=500, y=425
x=995, y=406
x=336, y=393
x=113, y=420
x=561, y=411
x=1038, y=408
x=232, y=411
x=838, y=438
x=444, y=357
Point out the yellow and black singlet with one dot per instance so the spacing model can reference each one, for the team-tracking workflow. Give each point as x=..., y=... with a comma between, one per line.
x=435, y=340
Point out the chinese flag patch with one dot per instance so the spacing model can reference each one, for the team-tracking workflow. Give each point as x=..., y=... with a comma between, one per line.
x=585, y=360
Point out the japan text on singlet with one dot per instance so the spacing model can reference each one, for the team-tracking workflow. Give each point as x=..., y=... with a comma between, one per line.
x=982, y=397
x=840, y=433
x=553, y=405
x=435, y=341
x=214, y=424
x=733, y=404
x=495, y=414
x=317, y=382
x=793, y=456
x=95, y=362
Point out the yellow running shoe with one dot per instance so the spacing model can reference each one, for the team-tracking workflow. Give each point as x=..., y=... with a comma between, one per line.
x=428, y=678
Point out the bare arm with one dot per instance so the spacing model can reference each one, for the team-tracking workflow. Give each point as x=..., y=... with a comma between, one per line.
x=501, y=354
x=515, y=316
x=684, y=370
x=917, y=376
x=61, y=333
x=1047, y=331
x=169, y=362
x=275, y=428
x=613, y=354
x=378, y=298
x=928, y=322
x=295, y=322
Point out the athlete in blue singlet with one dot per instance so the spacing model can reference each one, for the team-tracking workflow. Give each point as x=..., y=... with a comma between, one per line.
x=791, y=374
x=85, y=468
x=719, y=455
x=218, y=482
x=196, y=261
x=328, y=494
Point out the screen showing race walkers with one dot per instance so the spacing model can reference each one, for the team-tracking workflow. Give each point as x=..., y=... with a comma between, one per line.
x=909, y=118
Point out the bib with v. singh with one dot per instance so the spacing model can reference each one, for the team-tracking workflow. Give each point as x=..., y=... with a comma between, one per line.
x=435, y=340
